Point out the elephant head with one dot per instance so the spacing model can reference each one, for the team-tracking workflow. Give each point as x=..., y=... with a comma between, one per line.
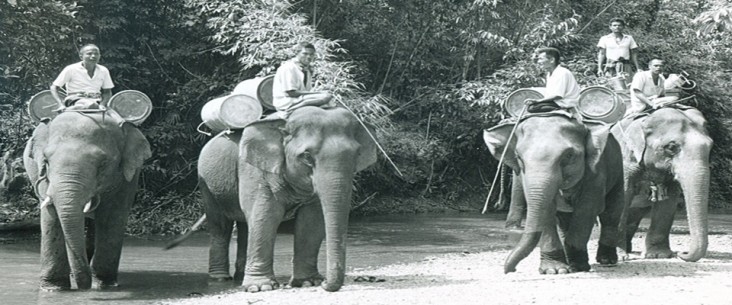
x=317, y=152
x=551, y=153
x=674, y=144
x=71, y=161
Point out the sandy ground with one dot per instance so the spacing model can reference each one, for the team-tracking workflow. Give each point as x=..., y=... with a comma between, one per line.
x=477, y=278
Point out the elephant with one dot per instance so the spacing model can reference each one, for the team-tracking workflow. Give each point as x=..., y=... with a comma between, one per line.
x=83, y=164
x=568, y=172
x=668, y=149
x=274, y=168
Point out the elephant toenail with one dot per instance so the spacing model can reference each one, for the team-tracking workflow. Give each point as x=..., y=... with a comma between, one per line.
x=307, y=284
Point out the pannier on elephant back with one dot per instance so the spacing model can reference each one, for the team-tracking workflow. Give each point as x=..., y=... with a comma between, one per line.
x=259, y=88
x=42, y=105
x=132, y=105
x=233, y=111
x=601, y=104
x=515, y=100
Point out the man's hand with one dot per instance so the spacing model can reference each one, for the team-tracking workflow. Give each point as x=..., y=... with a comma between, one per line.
x=530, y=101
x=599, y=72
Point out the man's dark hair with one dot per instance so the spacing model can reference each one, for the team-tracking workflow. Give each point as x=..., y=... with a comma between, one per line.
x=617, y=19
x=305, y=45
x=86, y=46
x=551, y=52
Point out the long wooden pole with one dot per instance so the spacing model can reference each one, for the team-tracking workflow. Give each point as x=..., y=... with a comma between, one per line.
x=500, y=161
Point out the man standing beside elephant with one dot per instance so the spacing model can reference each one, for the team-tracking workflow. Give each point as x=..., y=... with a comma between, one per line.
x=87, y=82
x=293, y=82
x=619, y=49
x=562, y=90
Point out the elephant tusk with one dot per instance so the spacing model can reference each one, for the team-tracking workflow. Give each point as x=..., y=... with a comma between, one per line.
x=46, y=202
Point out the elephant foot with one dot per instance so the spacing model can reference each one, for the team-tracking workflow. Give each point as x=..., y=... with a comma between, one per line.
x=219, y=277
x=331, y=286
x=238, y=276
x=259, y=283
x=579, y=260
x=55, y=285
x=606, y=255
x=659, y=253
x=553, y=263
x=104, y=284
x=307, y=282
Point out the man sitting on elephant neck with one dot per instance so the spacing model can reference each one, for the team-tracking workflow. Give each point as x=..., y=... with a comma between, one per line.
x=562, y=90
x=293, y=83
x=87, y=82
x=647, y=89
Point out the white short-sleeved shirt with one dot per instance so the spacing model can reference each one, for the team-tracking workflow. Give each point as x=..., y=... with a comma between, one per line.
x=76, y=79
x=643, y=81
x=562, y=83
x=615, y=49
x=289, y=76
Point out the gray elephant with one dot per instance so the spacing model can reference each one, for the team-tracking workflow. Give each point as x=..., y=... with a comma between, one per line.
x=305, y=167
x=570, y=173
x=666, y=151
x=83, y=164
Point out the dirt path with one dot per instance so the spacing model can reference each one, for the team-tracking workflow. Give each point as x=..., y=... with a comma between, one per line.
x=477, y=278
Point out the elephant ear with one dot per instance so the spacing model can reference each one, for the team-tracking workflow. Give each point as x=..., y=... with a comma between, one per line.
x=496, y=138
x=262, y=145
x=135, y=151
x=595, y=143
x=697, y=117
x=367, y=152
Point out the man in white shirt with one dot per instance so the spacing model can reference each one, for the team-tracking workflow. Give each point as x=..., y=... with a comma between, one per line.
x=293, y=82
x=562, y=90
x=87, y=82
x=647, y=89
x=618, y=49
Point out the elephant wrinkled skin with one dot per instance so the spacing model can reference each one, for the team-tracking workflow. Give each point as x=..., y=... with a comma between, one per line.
x=669, y=149
x=254, y=177
x=570, y=173
x=78, y=160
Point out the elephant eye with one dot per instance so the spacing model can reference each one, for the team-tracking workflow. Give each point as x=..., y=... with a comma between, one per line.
x=307, y=158
x=672, y=148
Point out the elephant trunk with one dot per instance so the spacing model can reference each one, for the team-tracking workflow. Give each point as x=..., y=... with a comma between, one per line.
x=694, y=181
x=68, y=199
x=335, y=191
x=540, y=190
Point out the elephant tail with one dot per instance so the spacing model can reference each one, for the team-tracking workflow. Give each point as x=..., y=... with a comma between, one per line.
x=187, y=234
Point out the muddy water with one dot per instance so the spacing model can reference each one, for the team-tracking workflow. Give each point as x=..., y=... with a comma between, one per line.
x=149, y=274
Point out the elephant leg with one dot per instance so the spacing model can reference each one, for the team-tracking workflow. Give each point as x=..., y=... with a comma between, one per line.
x=578, y=231
x=517, y=208
x=219, y=229
x=309, y=235
x=55, y=267
x=263, y=221
x=662, y=218
x=110, y=223
x=553, y=259
x=609, y=227
x=635, y=215
x=242, y=235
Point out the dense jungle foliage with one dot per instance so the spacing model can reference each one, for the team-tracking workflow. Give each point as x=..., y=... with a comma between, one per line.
x=429, y=74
